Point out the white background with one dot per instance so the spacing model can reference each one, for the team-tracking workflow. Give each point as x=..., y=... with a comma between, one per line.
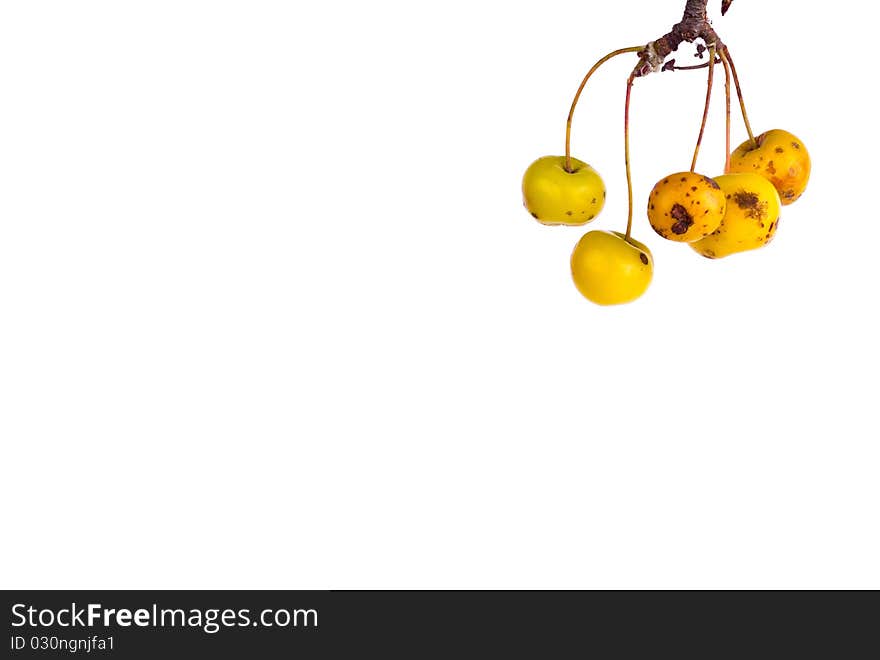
x=272, y=314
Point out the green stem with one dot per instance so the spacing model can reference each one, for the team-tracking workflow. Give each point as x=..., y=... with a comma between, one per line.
x=727, y=110
x=706, y=109
x=725, y=53
x=577, y=96
x=629, y=184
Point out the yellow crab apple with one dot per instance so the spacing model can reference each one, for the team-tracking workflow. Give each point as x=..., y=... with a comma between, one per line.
x=750, y=221
x=557, y=196
x=609, y=269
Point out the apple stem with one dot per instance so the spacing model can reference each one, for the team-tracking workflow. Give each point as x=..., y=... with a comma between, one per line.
x=725, y=54
x=727, y=110
x=577, y=96
x=706, y=108
x=695, y=67
x=629, y=185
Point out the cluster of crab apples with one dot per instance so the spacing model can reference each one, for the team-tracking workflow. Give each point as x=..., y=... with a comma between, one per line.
x=728, y=214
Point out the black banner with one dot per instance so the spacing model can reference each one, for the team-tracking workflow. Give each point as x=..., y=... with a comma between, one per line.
x=286, y=624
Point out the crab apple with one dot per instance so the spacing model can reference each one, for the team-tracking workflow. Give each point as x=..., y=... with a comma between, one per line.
x=751, y=219
x=556, y=196
x=686, y=207
x=609, y=269
x=780, y=157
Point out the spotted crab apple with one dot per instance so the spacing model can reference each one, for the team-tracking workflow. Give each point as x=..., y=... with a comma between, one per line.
x=557, y=195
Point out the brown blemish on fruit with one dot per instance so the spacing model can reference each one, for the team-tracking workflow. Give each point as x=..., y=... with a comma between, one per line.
x=694, y=189
x=795, y=145
x=771, y=168
x=751, y=204
x=594, y=201
x=709, y=254
x=590, y=218
x=712, y=183
x=746, y=200
x=684, y=179
x=535, y=216
x=780, y=150
x=684, y=220
x=644, y=258
x=569, y=213
x=789, y=194
x=792, y=172
x=666, y=182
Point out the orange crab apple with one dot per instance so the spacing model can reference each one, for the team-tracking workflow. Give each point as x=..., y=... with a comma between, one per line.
x=779, y=157
x=686, y=207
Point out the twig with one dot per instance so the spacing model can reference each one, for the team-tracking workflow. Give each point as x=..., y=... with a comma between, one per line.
x=694, y=25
